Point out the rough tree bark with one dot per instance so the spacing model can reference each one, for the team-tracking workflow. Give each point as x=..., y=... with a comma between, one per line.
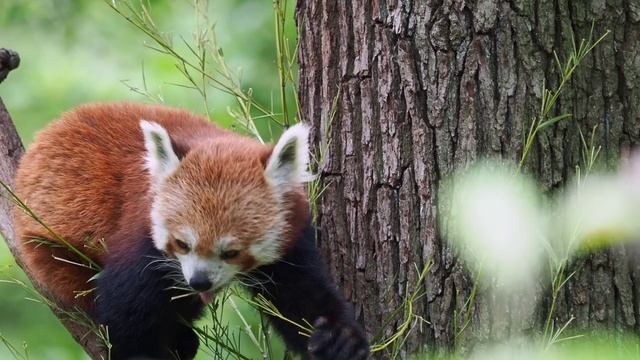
x=11, y=150
x=425, y=86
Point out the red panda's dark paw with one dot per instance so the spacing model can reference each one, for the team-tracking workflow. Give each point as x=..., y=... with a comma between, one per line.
x=185, y=344
x=337, y=341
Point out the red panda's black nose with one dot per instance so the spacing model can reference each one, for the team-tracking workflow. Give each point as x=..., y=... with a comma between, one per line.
x=200, y=282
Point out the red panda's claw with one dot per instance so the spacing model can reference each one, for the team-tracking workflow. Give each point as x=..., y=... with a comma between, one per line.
x=338, y=341
x=321, y=322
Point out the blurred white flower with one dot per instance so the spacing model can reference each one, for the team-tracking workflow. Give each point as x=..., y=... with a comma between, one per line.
x=630, y=174
x=602, y=210
x=495, y=223
x=512, y=349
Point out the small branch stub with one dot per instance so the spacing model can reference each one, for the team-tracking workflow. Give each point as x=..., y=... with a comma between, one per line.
x=9, y=60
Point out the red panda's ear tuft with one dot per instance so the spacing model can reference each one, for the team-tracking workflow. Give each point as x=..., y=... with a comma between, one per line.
x=161, y=159
x=288, y=164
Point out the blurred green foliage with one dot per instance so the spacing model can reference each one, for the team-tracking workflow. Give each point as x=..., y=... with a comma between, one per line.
x=596, y=346
x=77, y=51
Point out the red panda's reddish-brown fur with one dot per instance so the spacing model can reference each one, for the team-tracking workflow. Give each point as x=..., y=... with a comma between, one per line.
x=87, y=194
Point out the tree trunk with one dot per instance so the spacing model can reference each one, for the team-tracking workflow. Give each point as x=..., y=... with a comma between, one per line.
x=423, y=87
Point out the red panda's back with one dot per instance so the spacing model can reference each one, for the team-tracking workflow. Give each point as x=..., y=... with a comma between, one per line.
x=84, y=175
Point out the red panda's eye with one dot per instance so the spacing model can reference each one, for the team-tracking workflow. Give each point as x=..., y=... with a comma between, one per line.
x=183, y=245
x=229, y=254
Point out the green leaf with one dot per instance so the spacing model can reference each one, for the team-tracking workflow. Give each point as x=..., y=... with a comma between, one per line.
x=552, y=121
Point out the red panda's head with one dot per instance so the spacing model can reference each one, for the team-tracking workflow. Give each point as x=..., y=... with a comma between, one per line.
x=224, y=208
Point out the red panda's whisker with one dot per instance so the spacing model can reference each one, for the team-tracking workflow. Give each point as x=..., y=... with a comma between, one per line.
x=269, y=278
x=162, y=263
x=177, y=278
x=255, y=283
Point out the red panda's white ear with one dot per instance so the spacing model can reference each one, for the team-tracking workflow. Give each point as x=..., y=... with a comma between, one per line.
x=161, y=159
x=289, y=162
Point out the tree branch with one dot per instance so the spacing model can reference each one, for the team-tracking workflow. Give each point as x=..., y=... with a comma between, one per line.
x=11, y=150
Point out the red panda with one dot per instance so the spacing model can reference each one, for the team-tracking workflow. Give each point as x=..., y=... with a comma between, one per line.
x=161, y=199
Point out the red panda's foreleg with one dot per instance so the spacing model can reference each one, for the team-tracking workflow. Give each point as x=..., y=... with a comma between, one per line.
x=299, y=286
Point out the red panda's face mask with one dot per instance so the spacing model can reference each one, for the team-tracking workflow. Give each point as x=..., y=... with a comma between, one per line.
x=220, y=210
